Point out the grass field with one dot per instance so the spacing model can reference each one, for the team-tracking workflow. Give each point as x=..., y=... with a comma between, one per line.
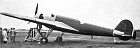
x=71, y=41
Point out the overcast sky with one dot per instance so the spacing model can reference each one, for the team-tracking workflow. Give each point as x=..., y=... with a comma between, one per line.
x=105, y=13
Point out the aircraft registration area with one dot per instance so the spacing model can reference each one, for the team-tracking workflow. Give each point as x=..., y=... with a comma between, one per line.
x=123, y=31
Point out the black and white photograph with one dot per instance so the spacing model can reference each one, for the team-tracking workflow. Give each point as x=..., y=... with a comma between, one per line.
x=69, y=23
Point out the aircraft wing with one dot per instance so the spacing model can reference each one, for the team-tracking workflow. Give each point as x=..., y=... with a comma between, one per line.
x=40, y=21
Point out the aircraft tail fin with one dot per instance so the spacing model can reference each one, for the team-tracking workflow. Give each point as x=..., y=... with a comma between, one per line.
x=126, y=28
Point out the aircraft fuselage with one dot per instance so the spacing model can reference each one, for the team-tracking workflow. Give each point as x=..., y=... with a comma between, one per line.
x=85, y=28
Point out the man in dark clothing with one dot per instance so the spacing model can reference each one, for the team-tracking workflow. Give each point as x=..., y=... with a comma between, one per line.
x=13, y=34
x=39, y=26
x=1, y=39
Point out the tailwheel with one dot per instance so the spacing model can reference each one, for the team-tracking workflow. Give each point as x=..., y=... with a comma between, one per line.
x=43, y=40
x=59, y=39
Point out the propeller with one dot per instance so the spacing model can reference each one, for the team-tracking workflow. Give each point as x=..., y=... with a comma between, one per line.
x=39, y=26
x=40, y=16
x=36, y=10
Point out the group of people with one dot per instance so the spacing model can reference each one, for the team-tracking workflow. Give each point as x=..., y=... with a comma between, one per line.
x=8, y=35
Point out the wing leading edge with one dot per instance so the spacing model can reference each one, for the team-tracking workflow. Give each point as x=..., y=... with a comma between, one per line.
x=41, y=21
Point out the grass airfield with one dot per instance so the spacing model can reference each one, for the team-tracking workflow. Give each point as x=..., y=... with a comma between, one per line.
x=71, y=41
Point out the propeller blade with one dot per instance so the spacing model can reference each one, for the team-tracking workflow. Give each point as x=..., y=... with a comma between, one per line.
x=36, y=9
x=36, y=13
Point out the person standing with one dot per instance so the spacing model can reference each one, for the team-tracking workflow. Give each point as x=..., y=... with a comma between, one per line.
x=13, y=34
x=1, y=39
x=9, y=36
x=4, y=33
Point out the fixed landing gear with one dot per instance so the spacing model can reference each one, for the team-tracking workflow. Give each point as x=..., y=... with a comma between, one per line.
x=59, y=38
x=44, y=40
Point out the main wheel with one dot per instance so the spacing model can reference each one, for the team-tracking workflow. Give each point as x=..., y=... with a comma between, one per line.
x=44, y=40
x=59, y=38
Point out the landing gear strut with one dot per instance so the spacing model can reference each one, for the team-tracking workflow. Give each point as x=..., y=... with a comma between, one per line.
x=59, y=38
x=44, y=40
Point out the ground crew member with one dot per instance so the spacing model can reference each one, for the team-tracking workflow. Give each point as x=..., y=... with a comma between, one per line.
x=4, y=33
x=1, y=39
x=13, y=34
x=39, y=26
x=9, y=36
